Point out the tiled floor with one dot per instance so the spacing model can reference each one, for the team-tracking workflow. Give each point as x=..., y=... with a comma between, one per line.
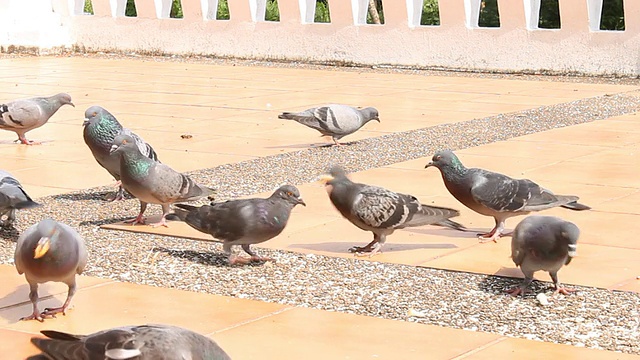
x=163, y=100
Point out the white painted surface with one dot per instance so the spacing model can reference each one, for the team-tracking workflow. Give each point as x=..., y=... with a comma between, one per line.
x=457, y=43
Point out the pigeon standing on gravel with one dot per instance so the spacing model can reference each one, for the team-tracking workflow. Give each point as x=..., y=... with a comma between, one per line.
x=333, y=120
x=50, y=251
x=151, y=181
x=496, y=195
x=100, y=130
x=21, y=116
x=143, y=342
x=12, y=197
x=381, y=211
x=243, y=222
x=543, y=243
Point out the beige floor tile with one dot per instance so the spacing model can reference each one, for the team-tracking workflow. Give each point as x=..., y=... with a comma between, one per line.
x=16, y=344
x=584, y=134
x=625, y=204
x=312, y=334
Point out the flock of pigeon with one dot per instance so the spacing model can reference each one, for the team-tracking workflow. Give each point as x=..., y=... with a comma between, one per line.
x=53, y=251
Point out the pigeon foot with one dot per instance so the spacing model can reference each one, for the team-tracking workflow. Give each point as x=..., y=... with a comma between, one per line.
x=369, y=250
x=485, y=238
x=34, y=316
x=235, y=260
x=515, y=291
x=256, y=258
x=564, y=290
x=162, y=222
x=51, y=312
x=25, y=141
x=138, y=220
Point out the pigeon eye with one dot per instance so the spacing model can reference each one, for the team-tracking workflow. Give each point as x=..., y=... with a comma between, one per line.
x=438, y=157
x=95, y=113
x=289, y=193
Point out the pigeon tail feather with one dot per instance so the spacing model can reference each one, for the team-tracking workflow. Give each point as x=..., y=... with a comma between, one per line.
x=452, y=225
x=27, y=204
x=574, y=205
x=429, y=215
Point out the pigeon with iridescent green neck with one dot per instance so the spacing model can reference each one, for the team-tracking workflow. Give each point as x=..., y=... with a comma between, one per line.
x=141, y=342
x=496, y=195
x=151, y=181
x=100, y=129
x=25, y=115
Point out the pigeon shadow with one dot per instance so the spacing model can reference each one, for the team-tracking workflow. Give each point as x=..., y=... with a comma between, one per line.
x=310, y=146
x=105, y=221
x=9, y=233
x=338, y=247
x=90, y=196
x=209, y=258
x=508, y=278
x=437, y=231
x=20, y=297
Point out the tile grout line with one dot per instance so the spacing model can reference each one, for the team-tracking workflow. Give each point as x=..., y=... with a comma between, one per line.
x=480, y=348
x=246, y=322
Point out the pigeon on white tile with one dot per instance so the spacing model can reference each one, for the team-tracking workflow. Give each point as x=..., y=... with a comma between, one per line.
x=333, y=120
x=142, y=342
x=153, y=182
x=543, y=243
x=245, y=221
x=100, y=130
x=496, y=195
x=12, y=198
x=50, y=251
x=381, y=211
x=23, y=115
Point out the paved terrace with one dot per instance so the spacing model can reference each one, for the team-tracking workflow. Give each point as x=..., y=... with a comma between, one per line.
x=231, y=113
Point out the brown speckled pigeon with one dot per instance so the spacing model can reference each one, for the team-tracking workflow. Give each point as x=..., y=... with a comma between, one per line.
x=12, y=197
x=100, y=130
x=333, y=120
x=543, y=243
x=381, y=211
x=153, y=182
x=496, y=195
x=50, y=251
x=141, y=342
x=23, y=115
x=243, y=222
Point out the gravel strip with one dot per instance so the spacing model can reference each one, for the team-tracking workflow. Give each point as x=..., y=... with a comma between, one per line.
x=594, y=318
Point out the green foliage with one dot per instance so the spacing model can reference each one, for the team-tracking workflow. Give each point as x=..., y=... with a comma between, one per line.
x=322, y=12
x=380, y=13
x=272, y=12
x=549, y=14
x=88, y=7
x=430, y=13
x=223, y=10
x=130, y=10
x=489, y=15
x=612, y=15
x=176, y=10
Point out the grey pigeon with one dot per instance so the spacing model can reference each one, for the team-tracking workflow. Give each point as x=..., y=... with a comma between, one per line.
x=333, y=120
x=496, y=195
x=21, y=116
x=50, y=251
x=243, y=222
x=543, y=243
x=151, y=181
x=381, y=211
x=142, y=342
x=100, y=130
x=12, y=197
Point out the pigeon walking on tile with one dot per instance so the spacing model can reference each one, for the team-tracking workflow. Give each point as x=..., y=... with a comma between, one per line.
x=23, y=115
x=543, y=243
x=143, y=342
x=50, y=251
x=151, y=181
x=381, y=211
x=12, y=198
x=243, y=222
x=100, y=130
x=496, y=195
x=334, y=120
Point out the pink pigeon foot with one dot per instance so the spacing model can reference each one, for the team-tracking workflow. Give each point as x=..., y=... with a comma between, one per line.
x=138, y=220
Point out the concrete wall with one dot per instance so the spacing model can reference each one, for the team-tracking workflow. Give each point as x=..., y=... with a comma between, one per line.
x=579, y=46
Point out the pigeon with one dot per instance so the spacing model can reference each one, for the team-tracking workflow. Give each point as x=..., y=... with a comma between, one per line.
x=243, y=222
x=492, y=194
x=381, y=211
x=543, y=243
x=21, y=116
x=12, y=197
x=143, y=342
x=151, y=181
x=100, y=129
x=50, y=251
x=333, y=120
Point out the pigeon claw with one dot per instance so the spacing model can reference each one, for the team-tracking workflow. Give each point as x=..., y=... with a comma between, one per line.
x=516, y=291
x=257, y=258
x=564, y=290
x=137, y=220
x=366, y=250
x=51, y=312
x=34, y=316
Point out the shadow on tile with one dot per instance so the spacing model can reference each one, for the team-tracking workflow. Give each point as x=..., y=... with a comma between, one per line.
x=87, y=196
x=467, y=234
x=9, y=233
x=209, y=258
x=342, y=247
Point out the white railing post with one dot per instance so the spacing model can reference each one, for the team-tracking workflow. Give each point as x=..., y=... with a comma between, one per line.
x=360, y=10
x=414, y=12
x=163, y=8
x=307, y=11
x=532, y=13
x=595, y=13
x=472, y=12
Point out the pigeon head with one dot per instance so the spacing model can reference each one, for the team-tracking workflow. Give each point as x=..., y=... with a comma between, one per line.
x=94, y=114
x=49, y=232
x=64, y=99
x=335, y=174
x=122, y=143
x=445, y=160
x=370, y=114
x=290, y=194
x=570, y=233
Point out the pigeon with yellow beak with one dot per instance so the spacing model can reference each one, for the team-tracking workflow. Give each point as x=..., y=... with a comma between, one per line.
x=50, y=251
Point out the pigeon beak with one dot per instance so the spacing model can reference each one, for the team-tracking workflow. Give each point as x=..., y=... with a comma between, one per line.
x=376, y=119
x=85, y=122
x=301, y=202
x=114, y=147
x=70, y=103
x=326, y=178
x=42, y=248
x=430, y=164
